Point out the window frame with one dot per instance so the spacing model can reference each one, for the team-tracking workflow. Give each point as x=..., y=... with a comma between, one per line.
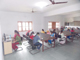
x=25, y=25
x=49, y=25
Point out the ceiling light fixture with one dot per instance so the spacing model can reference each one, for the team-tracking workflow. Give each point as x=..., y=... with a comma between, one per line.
x=41, y=4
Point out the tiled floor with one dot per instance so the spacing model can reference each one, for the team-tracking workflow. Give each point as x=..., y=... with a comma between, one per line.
x=69, y=51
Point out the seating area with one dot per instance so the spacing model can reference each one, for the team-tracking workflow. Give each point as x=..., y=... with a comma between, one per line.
x=69, y=51
x=39, y=29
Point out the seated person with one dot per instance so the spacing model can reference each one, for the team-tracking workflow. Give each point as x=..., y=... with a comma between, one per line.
x=72, y=30
x=62, y=41
x=62, y=34
x=52, y=35
x=36, y=41
x=68, y=29
x=42, y=31
x=48, y=32
x=54, y=31
x=65, y=29
x=78, y=28
x=31, y=35
x=27, y=33
x=16, y=40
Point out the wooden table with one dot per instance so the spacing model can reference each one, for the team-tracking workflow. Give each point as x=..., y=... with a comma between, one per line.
x=45, y=38
x=68, y=33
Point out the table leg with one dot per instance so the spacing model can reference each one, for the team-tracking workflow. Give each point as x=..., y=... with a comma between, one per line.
x=72, y=38
x=42, y=46
x=66, y=39
x=54, y=43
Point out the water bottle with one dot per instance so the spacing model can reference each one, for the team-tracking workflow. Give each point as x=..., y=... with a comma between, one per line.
x=10, y=37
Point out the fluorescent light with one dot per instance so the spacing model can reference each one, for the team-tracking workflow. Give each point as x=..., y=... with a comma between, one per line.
x=41, y=4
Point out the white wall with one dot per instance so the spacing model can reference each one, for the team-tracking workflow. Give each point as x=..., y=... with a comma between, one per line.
x=1, y=52
x=9, y=21
x=73, y=17
x=53, y=19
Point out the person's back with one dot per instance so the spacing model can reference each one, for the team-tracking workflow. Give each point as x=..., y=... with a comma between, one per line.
x=36, y=41
x=62, y=35
x=72, y=31
x=53, y=34
x=31, y=35
x=36, y=38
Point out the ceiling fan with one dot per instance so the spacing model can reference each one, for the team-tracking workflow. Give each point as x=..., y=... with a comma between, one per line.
x=53, y=2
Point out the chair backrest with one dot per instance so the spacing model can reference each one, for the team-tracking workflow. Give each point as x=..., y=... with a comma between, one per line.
x=26, y=37
x=31, y=42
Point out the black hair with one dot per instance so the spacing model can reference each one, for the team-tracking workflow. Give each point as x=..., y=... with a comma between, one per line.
x=68, y=30
x=31, y=33
x=16, y=31
x=38, y=33
x=42, y=29
x=51, y=31
x=72, y=29
x=61, y=31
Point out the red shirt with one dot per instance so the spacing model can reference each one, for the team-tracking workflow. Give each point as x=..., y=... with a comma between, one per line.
x=72, y=30
x=31, y=37
x=16, y=35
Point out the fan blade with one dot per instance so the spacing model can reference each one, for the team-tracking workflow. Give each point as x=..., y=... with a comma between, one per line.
x=50, y=0
x=60, y=2
x=49, y=5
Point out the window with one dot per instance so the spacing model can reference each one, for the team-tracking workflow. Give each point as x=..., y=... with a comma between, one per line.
x=24, y=26
x=57, y=24
x=49, y=25
x=53, y=25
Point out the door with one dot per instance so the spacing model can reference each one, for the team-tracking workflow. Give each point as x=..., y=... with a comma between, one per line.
x=53, y=25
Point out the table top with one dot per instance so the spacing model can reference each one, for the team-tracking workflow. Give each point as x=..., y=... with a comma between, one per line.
x=77, y=31
x=45, y=37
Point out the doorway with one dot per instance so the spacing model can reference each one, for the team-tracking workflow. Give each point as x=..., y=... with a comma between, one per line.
x=53, y=25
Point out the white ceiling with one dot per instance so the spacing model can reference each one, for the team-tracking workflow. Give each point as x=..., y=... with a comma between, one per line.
x=27, y=5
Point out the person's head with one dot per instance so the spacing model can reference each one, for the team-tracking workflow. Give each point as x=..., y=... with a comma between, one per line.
x=77, y=28
x=72, y=29
x=68, y=30
x=38, y=33
x=32, y=33
x=16, y=32
x=42, y=29
x=61, y=31
x=47, y=31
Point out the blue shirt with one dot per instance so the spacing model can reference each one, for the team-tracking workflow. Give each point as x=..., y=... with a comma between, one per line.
x=36, y=38
x=52, y=35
